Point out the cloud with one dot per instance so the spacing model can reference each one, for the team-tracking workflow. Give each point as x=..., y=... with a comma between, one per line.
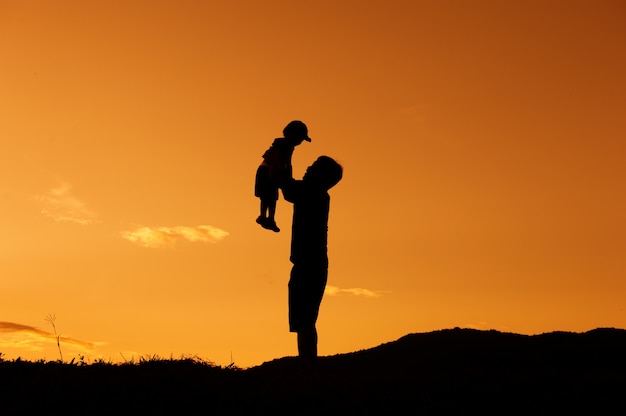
x=62, y=206
x=168, y=236
x=26, y=337
x=357, y=291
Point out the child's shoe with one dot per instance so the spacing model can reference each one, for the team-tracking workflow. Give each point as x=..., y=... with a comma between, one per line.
x=267, y=224
x=271, y=225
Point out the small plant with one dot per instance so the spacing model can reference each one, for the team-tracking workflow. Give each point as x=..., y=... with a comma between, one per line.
x=82, y=361
x=232, y=365
x=51, y=318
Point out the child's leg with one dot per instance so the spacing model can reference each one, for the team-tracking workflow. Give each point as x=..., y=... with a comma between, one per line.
x=271, y=210
x=262, y=217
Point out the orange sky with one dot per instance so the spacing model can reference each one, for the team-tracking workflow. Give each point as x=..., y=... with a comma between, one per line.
x=482, y=142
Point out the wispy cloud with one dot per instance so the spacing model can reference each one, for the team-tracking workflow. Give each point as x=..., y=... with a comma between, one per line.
x=155, y=237
x=62, y=205
x=356, y=291
x=26, y=337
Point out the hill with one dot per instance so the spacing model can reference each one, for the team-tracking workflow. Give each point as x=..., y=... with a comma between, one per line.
x=443, y=372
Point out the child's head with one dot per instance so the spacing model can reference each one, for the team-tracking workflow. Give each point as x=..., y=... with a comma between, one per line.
x=325, y=171
x=296, y=131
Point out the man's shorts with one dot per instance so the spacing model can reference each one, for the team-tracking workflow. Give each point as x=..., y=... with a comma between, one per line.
x=264, y=187
x=306, y=289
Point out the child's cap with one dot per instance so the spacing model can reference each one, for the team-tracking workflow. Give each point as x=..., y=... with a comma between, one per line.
x=298, y=129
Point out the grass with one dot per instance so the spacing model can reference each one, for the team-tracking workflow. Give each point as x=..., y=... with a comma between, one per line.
x=444, y=372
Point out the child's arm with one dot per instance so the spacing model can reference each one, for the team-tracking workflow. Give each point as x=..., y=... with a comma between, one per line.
x=291, y=189
x=280, y=167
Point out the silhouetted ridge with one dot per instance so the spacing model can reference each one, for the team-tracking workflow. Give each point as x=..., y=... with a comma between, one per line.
x=450, y=371
x=456, y=346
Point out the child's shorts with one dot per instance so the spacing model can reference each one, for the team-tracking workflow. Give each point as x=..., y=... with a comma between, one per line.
x=264, y=187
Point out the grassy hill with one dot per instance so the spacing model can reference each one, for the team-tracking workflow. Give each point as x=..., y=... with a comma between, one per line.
x=455, y=371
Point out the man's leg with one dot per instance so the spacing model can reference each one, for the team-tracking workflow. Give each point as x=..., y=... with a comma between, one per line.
x=307, y=346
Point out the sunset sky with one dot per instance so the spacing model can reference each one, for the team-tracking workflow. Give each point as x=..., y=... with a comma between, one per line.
x=484, y=154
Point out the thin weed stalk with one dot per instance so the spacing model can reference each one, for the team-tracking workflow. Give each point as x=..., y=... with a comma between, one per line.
x=51, y=318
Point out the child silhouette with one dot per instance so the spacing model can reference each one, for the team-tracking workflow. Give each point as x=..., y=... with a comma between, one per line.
x=275, y=167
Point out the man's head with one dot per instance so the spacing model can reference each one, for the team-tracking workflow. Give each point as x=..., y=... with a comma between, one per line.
x=296, y=131
x=325, y=171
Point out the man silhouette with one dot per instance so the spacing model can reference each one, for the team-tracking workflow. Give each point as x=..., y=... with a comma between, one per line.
x=309, y=254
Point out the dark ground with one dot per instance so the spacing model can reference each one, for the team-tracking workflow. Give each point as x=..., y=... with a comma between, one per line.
x=456, y=371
